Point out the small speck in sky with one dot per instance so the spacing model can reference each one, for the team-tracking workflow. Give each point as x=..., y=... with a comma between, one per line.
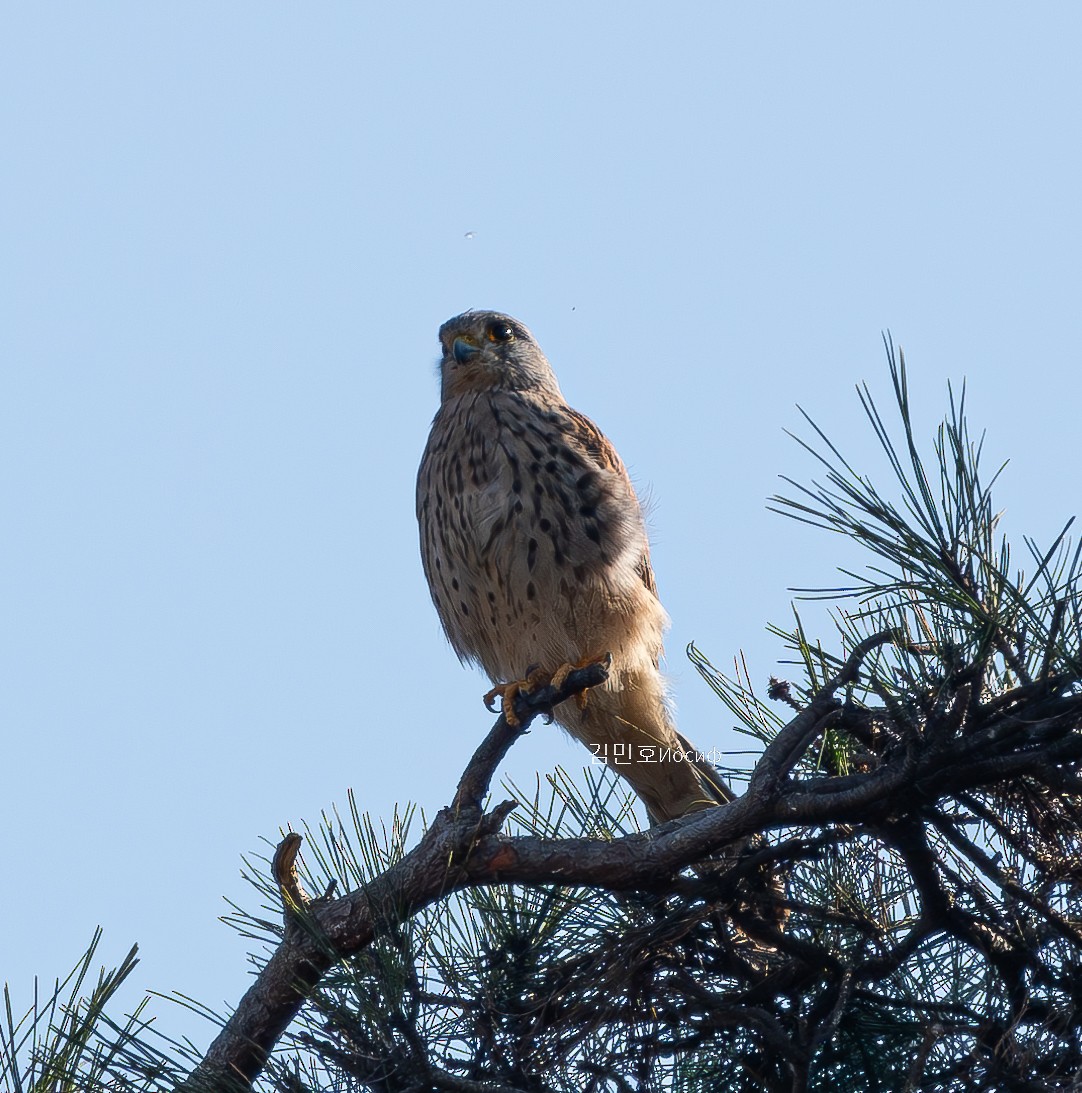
x=470, y=235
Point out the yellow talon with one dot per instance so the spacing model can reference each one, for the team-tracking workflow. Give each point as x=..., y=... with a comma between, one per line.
x=508, y=692
x=561, y=674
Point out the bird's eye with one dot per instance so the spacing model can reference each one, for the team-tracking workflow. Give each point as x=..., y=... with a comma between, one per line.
x=500, y=332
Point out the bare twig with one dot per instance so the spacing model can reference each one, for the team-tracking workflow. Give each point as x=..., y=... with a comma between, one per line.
x=473, y=786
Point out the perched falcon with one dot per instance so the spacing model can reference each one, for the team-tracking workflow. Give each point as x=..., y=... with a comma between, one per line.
x=536, y=554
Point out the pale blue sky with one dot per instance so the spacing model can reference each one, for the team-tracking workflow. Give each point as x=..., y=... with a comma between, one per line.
x=229, y=235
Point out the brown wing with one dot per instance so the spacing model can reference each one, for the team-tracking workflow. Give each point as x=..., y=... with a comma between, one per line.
x=594, y=441
x=600, y=448
x=646, y=571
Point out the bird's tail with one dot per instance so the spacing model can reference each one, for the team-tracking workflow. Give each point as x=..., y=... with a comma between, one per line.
x=626, y=725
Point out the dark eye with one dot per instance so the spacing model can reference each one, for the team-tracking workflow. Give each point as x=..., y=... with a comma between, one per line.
x=500, y=332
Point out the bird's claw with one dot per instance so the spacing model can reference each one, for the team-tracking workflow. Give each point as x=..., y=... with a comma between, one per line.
x=535, y=678
x=508, y=692
x=559, y=677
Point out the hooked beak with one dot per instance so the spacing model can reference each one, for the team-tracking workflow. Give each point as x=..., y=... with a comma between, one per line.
x=464, y=350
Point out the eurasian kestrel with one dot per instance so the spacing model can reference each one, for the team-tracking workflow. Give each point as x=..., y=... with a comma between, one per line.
x=535, y=550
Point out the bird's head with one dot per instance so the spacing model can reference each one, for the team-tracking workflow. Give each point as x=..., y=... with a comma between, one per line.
x=487, y=351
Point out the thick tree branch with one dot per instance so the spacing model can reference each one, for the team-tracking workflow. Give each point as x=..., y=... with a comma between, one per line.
x=465, y=847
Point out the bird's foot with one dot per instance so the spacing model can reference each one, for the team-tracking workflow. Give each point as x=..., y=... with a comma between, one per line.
x=561, y=674
x=535, y=679
x=507, y=692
